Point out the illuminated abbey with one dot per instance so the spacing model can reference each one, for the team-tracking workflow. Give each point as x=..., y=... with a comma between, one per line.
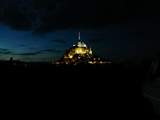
x=80, y=53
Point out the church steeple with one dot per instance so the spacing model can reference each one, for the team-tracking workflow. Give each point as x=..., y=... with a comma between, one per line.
x=79, y=36
x=80, y=43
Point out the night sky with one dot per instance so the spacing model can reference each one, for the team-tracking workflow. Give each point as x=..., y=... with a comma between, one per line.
x=41, y=30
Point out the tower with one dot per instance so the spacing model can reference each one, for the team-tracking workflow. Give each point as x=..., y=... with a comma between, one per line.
x=79, y=36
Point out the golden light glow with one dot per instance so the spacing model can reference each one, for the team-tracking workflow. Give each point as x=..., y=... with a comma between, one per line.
x=81, y=44
x=90, y=62
x=70, y=56
x=80, y=53
x=90, y=51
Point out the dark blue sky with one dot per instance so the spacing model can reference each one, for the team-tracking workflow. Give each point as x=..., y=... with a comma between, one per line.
x=43, y=30
x=113, y=41
x=25, y=45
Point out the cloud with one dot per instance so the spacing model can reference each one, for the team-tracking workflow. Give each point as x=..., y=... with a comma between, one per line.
x=23, y=45
x=60, y=41
x=45, y=51
x=98, y=40
x=51, y=51
x=40, y=52
x=5, y=51
x=29, y=54
x=60, y=14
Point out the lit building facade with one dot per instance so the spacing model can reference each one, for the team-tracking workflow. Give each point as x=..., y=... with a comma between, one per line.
x=80, y=53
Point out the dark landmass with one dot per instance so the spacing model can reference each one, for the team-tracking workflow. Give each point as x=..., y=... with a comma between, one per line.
x=84, y=91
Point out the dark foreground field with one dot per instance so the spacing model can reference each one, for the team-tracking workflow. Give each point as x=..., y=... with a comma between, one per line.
x=84, y=91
